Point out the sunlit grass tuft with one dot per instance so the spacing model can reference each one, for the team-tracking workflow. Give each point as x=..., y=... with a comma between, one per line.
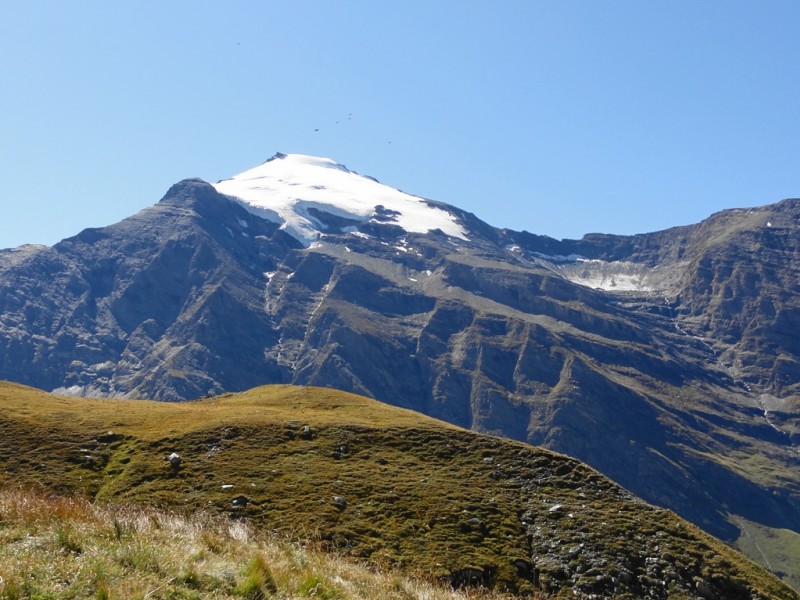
x=258, y=583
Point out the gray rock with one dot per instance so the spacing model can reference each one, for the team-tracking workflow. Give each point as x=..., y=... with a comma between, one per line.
x=704, y=590
x=240, y=501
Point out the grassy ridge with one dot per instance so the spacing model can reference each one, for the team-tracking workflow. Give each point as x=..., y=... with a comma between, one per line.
x=379, y=483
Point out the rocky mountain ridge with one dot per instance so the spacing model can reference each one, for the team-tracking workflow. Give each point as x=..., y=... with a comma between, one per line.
x=668, y=361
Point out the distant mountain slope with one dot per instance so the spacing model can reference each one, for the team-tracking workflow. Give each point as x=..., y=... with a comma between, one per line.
x=384, y=484
x=668, y=361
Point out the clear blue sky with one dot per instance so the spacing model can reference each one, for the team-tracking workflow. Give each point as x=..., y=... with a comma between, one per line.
x=558, y=117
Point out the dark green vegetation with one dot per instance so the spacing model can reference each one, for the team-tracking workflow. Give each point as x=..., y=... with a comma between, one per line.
x=379, y=483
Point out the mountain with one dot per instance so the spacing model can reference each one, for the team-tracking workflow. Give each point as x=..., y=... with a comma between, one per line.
x=667, y=361
x=381, y=484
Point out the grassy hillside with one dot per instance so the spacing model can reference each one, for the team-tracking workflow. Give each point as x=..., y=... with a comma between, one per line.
x=778, y=548
x=378, y=483
x=55, y=547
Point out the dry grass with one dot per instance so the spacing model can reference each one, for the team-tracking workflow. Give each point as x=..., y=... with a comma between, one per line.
x=55, y=547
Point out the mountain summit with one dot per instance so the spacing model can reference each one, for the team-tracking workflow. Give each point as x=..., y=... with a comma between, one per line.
x=308, y=196
x=669, y=361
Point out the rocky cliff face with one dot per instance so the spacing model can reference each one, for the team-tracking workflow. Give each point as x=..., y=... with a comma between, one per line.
x=668, y=361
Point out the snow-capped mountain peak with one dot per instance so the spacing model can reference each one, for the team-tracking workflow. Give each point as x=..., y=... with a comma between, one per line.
x=293, y=189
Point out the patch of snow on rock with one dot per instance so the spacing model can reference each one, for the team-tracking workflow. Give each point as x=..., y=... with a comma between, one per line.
x=611, y=276
x=284, y=188
x=614, y=276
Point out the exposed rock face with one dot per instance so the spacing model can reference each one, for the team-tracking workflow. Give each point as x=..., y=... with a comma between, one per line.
x=136, y=308
x=680, y=379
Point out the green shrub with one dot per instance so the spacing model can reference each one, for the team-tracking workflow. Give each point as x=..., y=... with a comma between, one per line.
x=67, y=539
x=258, y=583
x=9, y=590
x=102, y=592
x=315, y=587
